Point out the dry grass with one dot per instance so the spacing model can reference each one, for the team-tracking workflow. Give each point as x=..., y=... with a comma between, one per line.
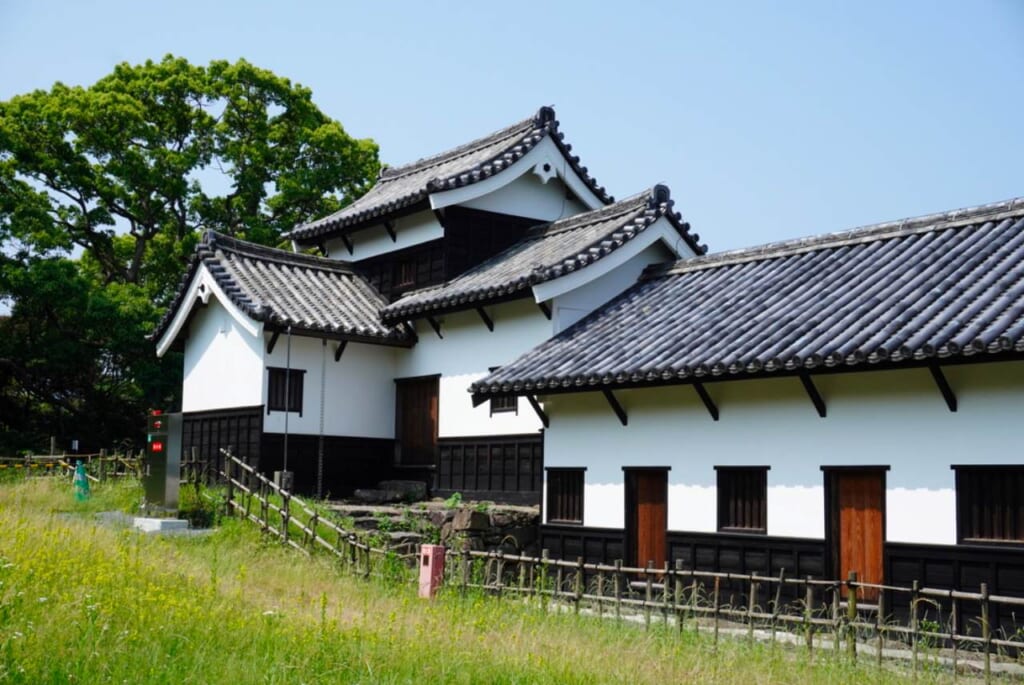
x=81, y=602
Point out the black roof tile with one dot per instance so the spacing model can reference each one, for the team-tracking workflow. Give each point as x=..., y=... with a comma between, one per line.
x=402, y=187
x=547, y=252
x=942, y=286
x=290, y=289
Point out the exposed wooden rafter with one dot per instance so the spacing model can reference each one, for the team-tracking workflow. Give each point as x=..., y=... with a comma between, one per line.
x=348, y=243
x=486, y=319
x=944, y=388
x=541, y=414
x=273, y=341
x=389, y=226
x=616, y=407
x=545, y=309
x=812, y=392
x=436, y=325
x=340, y=350
x=706, y=399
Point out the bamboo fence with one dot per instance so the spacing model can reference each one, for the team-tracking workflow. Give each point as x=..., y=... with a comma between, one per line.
x=829, y=614
x=99, y=466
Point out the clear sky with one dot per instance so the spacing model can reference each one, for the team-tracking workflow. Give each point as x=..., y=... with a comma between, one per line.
x=769, y=120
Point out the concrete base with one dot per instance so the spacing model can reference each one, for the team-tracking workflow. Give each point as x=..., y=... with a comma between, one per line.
x=149, y=525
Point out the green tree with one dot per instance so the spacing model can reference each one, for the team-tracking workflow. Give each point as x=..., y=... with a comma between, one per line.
x=103, y=192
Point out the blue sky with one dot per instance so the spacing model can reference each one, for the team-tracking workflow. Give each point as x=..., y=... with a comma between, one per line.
x=768, y=120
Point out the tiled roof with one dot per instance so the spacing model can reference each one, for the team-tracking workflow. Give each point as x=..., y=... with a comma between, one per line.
x=547, y=252
x=404, y=186
x=285, y=288
x=942, y=286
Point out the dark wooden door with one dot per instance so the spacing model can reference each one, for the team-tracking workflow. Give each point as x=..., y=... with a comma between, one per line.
x=857, y=525
x=646, y=515
x=416, y=420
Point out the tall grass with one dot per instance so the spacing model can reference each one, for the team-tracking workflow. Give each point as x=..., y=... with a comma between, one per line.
x=83, y=602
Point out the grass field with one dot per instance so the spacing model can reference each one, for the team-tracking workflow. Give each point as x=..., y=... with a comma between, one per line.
x=86, y=603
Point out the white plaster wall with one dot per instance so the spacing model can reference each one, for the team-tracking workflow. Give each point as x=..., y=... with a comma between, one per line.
x=529, y=196
x=223, y=362
x=466, y=353
x=573, y=305
x=359, y=393
x=410, y=230
x=895, y=418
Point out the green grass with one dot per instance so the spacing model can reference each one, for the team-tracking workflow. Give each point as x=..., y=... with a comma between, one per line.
x=84, y=603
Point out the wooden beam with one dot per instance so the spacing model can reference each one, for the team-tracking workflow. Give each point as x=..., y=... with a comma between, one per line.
x=273, y=341
x=812, y=392
x=348, y=244
x=436, y=325
x=546, y=309
x=947, y=392
x=487, y=320
x=340, y=350
x=541, y=414
x=706, y=399
x=389, y=226
x=616, y=407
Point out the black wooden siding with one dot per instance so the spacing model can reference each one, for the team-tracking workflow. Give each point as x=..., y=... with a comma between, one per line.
x=204, y=434
x=505, y=468
x=348, y=463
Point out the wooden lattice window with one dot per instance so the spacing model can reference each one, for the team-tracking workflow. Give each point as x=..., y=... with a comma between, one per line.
x=503, y=403
x=743, y=499
x=284, y=389
x=565, y=495
x=989, y=503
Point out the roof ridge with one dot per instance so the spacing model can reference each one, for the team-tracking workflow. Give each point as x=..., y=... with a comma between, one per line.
x=885, y=230
x=537, y=121
x=215, y=240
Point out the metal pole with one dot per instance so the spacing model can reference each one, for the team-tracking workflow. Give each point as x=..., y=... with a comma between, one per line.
x=320, y=443
x=287, y=396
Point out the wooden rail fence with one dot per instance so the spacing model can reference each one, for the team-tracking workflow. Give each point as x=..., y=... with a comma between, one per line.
x=256, y=498
x=99, y=466
x=829, y=613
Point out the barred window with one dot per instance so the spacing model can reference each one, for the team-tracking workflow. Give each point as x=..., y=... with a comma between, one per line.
x=284, y=389
x=565, y=495
x=989, y=503
x=743, y=498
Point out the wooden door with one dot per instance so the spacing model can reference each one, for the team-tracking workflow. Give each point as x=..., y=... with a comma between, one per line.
x=646, y=516
x=416, y=420
x=857, y=525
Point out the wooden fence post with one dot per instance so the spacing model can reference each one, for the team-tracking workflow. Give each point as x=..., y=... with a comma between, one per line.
x=808, y=610
x=600, y=591
x=678, y=595
x=617, y=587
x=578, y=598
x=986, y=633
x=881, y=626
x=544, y=578
x=500, y=573
x=835, y=617
x=465, y=566
x=778, y=599
x=647, y=594
x=751, y=601
x=851, y=614
x=714, y=602
x=915, y=593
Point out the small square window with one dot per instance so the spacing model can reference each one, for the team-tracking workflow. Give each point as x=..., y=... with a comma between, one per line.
x=284, y=389
x=564, y=502
x=503, y=403
x=742, y=499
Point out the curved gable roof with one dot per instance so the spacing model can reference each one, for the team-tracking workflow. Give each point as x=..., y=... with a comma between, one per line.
x=404, y=186
x=288, y=289
x=548, y=251
x=946, y=285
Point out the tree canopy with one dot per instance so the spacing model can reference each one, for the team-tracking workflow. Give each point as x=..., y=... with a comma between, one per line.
x=103, y=193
